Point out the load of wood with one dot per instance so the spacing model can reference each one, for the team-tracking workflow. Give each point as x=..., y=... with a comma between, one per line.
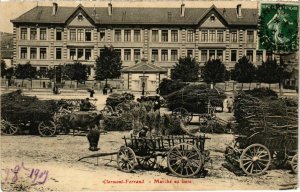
x=114, y=99
x=195, y=98
x=15, y=107
x=268, y=115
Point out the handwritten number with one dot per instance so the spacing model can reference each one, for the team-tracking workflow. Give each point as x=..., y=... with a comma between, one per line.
x=15, y=171
x=45, y=174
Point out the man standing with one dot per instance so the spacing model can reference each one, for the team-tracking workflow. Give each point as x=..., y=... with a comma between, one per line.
x=229, y=104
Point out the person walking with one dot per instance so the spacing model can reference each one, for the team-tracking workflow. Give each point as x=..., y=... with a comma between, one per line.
x=92, y=92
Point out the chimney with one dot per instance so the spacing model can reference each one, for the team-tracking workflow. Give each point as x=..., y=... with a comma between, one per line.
x=239, y=10
x=109, y=9
x=54, y=9
x=182, y=10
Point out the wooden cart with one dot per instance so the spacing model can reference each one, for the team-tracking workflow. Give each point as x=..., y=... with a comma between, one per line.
x=185, y=155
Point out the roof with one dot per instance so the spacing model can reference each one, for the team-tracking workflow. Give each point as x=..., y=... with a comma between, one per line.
x=125, y=15
x=144, y=67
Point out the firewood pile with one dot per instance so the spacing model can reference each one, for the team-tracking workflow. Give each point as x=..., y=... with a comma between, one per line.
x=114, y=99
x=271, y=116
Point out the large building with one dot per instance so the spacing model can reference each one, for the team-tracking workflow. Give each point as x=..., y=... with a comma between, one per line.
x=53, y=35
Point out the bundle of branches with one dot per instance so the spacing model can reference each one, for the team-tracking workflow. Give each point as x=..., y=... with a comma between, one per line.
x=114, y=99
x=15, y=107
x=195, y=98
x=268, y=116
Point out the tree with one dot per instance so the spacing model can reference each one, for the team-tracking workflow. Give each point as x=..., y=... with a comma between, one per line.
x=244, y=71
x=75, y=72
x=284, y=71
x=268, y=72
x=186, y=69
x=50, y=73
x=25, y=71
x=108, y=65
x=3, y=68
x=213, y=71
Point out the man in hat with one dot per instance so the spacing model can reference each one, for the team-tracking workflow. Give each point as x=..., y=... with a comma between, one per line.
x=143, y=132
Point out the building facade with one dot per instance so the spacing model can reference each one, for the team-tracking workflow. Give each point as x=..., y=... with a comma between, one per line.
x=53, y=35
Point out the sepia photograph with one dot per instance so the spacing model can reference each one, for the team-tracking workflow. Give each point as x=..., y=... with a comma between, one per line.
x=149, y=95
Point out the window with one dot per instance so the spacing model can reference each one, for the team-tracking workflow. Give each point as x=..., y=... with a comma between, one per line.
x=32, y=53
x=211, y=54
x=43, y=53
x=23, y=52
x=190, y=35
x=249, y=54
x=174, y=35
x=233, y=55
x=80, y=54
x=118, y=35
x=259, y=56
x=220, y=54
x=154, y=55
x=59, y=35
x=137, y=54
x=43, y=34
x=164, y=55
x=204, y=36
x=233, y=36
x=43, y=71
x=88, y=35
x=80, y=17
x=101, y=51
x=79, y=34
x=73, y=54
x=250, y=36
x=58, y=53
x=204, y=55
x=127, y=55
x=73, y=34
x=102, y=34
x=88, y=54
x=189, y=53
x=33, y=34
x=118, y=52
x=137, y=35
x=212, y=35
x=220, y=35
x=269, y=54
x=174, y=55
x=127, y=35
x=164, y=35
x=154, y=35
x=24, y=33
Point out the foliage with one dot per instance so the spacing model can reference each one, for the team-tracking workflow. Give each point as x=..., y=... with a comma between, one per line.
x=25, y=71
x=116, y=123
x=76, y=72
x=168, y=86
x=244, y=71
x=262, y=92
x=3, y=68
x=108, y=65
x=213, y=71
x=195, y=98
x=268, y=72
x=50, y=73
x=186, y=70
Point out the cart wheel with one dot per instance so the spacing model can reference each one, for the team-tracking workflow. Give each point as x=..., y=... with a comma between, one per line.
x=107, y=110
x=184, y=160
x=147, y=163
x=126, y=159
x=255, y=159
x=8, y=128
x=294, y=163
x=183, y=114
x=47, y=128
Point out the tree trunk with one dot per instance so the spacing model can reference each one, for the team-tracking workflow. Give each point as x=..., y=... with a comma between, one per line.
x=280, y=88
x=269, y=85
x=22, y=82
x=71, y=84
x=77, y=84
x=249, y=85
x=242, y=86
x=105, y=82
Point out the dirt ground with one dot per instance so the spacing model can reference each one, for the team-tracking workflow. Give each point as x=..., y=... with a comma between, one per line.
x=34, y=163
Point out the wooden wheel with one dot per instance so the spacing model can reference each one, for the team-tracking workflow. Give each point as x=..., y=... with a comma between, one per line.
x=8, y=128
x=47, y=128
x=255, y=159
x=126, y=159
x=107, y=110
x=183, y=114
x=146, y=163
x=184, y=160
x=294, y=163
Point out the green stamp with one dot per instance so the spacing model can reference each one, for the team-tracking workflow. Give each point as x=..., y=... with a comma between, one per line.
x=278, y=28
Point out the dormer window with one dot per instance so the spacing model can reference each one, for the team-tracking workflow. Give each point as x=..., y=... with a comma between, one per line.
x=80, y=17
x=212, y=18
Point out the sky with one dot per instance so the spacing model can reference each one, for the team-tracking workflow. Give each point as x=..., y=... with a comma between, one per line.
x=11, y=9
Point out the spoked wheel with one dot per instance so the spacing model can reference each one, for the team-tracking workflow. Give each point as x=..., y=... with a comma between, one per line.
x=255, y=159
x=185, y=160
x=146, y=163
x=183, y=114
x=126, y=159
x=47, y=128
x=107, y=110
x=294, y=163
x=8, y=128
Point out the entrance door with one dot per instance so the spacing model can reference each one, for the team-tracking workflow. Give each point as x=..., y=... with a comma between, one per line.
x=58, y=74
x=143, y=83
